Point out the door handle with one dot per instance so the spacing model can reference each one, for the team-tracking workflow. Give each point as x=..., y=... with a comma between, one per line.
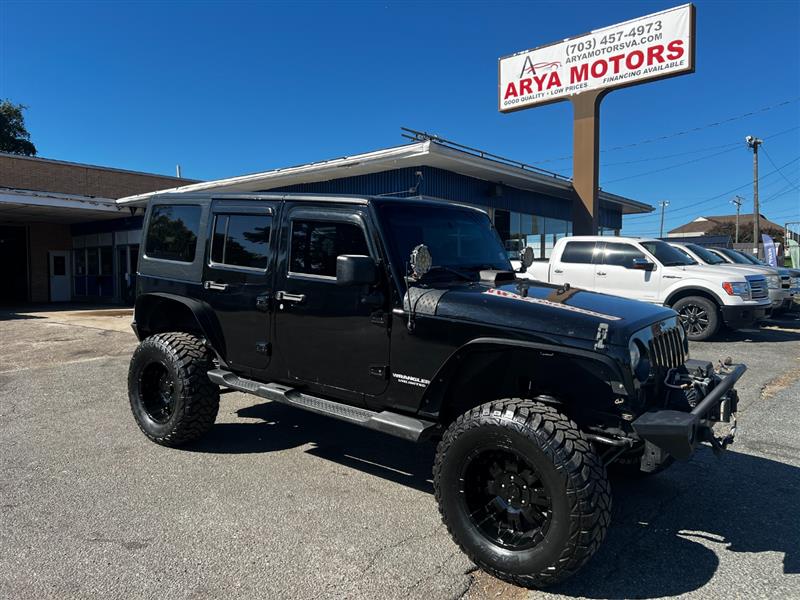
x=290, y=297
x=558, y=271
x=601, y=273
x=213, y=285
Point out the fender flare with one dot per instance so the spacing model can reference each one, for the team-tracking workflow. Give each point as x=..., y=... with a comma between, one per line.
x=432, y=400
x=205, y=318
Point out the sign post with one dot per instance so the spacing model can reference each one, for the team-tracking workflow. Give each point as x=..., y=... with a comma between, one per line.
x=583, y=70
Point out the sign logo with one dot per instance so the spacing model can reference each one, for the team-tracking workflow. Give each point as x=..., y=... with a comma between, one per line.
x=643, y=49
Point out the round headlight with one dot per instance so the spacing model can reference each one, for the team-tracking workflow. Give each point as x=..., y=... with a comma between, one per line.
x=636, y=355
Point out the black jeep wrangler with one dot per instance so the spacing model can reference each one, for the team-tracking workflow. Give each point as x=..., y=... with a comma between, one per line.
x=404, y=316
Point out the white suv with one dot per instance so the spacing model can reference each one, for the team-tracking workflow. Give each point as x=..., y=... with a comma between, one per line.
x=653, y=271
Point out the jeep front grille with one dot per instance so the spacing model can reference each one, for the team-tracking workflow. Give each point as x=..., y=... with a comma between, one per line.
x=786, y=282
x=666, y=349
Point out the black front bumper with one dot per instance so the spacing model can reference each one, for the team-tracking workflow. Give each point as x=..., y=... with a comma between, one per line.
x=738, y=317
x=679, y=433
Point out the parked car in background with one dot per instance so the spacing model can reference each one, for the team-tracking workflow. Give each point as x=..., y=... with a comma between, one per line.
x=704, y=256
x=651, y=270
x=794, y=274
x=734, y=257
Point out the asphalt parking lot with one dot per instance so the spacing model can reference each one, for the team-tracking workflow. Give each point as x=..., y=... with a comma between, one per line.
x=277, y=503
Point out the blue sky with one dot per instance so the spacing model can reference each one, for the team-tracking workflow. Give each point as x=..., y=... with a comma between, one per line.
x=230, y=88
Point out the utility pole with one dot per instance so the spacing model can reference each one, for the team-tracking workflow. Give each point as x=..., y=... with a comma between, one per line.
x=738, y=202
x=663, y=204
x=754, y=143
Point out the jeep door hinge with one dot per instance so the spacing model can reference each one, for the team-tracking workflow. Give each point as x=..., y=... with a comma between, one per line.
x=600, y=338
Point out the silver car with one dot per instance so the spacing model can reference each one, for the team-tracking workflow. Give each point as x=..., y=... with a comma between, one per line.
x=735, y=257
x=709, y=256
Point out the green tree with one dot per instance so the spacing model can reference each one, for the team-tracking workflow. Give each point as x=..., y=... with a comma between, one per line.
x=745, y=232
x=14, y=138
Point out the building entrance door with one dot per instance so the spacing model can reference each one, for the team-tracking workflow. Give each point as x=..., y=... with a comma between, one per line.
x=13, y=264
x=59, y=276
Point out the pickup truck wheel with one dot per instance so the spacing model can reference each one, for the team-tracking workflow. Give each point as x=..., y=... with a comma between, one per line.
x=700, y=317
x=171, y=397
x=521, y=491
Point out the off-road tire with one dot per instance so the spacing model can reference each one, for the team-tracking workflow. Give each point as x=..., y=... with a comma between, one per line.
x=704, y=306
x=569, y=468
x=196, y=399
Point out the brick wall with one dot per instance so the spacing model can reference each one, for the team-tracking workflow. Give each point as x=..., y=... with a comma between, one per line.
x=69, y=178
x=43, y=238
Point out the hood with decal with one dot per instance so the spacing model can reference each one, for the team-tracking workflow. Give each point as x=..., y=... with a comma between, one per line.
x=542, y=308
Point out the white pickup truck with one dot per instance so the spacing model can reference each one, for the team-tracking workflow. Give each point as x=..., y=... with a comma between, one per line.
x=653, y=271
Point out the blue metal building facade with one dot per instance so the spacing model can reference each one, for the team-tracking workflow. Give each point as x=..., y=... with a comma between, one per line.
x=447, y=185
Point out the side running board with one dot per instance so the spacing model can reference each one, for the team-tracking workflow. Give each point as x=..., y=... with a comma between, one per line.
x=402, y=426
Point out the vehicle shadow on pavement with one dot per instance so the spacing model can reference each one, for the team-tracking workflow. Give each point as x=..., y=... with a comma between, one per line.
x=283, y=427
x=668, y=531
x=783, y=332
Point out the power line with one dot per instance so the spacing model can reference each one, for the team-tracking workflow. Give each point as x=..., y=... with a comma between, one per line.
x=789, y=188
x=730, y=148
x=696, y=151
x=726, y=193
x=684, y=132
x=641, y=160
x=769, y=158
x=675, y=166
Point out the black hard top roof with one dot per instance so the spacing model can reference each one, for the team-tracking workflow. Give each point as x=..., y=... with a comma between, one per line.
x=304, y=197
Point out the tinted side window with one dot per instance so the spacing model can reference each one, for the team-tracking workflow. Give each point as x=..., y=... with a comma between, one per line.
x=316, y=244
x=620, y=255
x=578, y=252
x=172, y=233
x=241, y=240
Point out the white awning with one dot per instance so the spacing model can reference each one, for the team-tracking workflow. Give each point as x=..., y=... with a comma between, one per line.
x=50, y=207
x=424, y=153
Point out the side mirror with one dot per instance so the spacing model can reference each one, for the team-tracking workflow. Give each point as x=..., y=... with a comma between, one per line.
x=526, y=256
x=355, y=269
x=642, y=264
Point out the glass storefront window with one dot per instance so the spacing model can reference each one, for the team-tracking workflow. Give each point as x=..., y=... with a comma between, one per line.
x=518, y=230
x=106, y=261
x=93, y=262
x=554, y=230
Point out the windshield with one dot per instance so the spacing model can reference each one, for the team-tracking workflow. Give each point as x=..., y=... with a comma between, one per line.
x=734, y=256
x=707, y=257
x=667, y=255
x=751, y=259
x=458, y=238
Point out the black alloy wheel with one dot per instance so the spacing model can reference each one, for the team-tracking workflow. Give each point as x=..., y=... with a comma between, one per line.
x=694, y=318
x=506, y=498
x=521, y=491
x=158, y=392
x=171, y=396
x=699, y=317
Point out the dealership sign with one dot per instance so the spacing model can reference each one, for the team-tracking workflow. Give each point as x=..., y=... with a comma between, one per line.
x=651, y=47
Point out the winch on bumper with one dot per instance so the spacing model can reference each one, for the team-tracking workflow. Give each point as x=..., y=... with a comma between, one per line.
x=708, y=397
